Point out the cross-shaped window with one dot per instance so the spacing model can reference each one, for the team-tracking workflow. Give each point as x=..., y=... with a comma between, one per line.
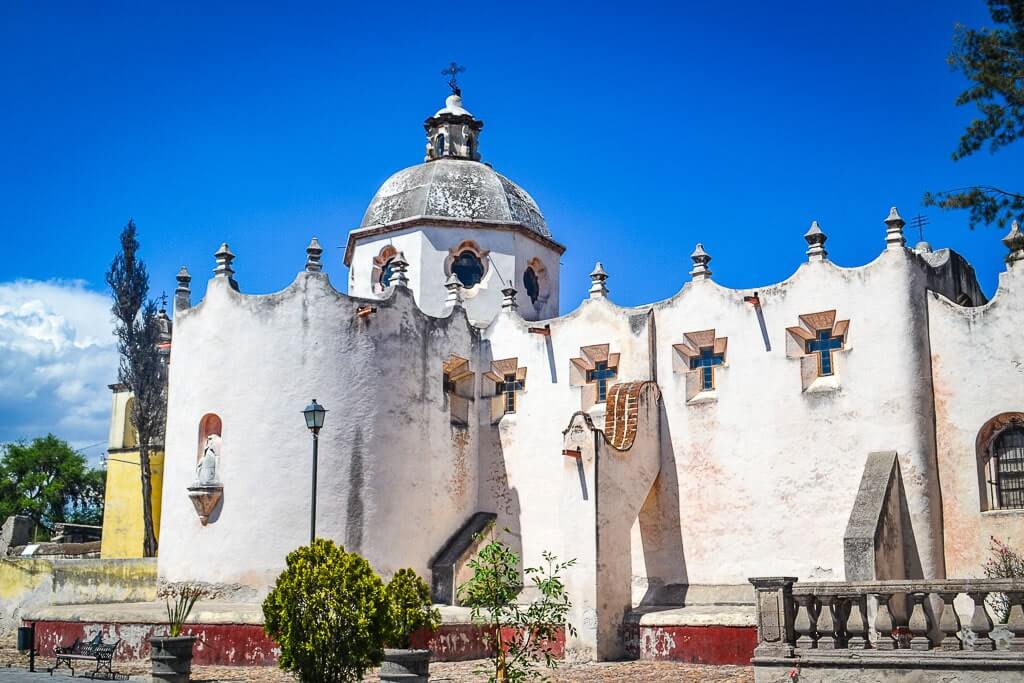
x=600, y=376
x=706, y=362
x=823, y=344
x=509, y=387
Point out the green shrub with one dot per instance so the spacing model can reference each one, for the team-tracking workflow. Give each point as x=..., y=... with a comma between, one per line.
x=1003, y=563
x=329, y=614
x=521, y=636
x=409, y=607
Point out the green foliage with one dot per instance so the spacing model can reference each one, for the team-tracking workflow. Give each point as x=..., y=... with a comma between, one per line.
x=522, y=636
x=409, y=607
x=1003, y=563
x=142, y=368
x=992, y=59
x=50, y=482
x=178, y=609
x=329, y=613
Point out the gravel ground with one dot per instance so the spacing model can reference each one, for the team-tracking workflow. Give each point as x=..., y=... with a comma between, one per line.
x=462, y=672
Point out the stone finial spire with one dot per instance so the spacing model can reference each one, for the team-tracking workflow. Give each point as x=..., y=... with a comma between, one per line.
x=508, y=302
x=815, y=239
x=598, y=282
x=894, y=230
x=1014, y=241
x=700, y=259
x=454, y=287
x=183, y=294
x=224, y=258
x=313, y=253
x=399, y=271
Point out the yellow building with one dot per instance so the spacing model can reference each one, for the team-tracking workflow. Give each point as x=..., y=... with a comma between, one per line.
x=122, y=506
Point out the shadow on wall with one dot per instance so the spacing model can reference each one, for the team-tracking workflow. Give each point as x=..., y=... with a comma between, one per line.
x=661, y=530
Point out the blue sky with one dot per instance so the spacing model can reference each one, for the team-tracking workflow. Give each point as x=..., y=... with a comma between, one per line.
x=639, y=129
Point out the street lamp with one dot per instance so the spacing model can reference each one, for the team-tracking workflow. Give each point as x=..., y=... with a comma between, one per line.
x=314, y=414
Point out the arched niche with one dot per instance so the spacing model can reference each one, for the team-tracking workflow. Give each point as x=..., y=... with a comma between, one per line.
x=536, y=283
x=209, y=425
x=130, y=438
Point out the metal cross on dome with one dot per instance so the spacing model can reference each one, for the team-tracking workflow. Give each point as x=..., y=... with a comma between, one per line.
x=453, y=70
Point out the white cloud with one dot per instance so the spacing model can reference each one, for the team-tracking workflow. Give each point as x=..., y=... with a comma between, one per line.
x=57, y=356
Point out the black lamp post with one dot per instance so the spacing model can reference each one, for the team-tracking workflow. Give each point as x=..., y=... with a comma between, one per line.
x=314, y=414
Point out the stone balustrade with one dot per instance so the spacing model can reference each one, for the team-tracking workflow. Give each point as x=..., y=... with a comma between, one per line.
x=898, y=617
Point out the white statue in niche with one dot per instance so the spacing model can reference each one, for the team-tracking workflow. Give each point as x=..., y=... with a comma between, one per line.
x=206, y=470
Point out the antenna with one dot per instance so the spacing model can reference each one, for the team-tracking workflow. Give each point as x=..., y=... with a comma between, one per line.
x=919, y=222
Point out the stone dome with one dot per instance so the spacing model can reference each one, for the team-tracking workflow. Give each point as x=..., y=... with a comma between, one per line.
x=454, y=189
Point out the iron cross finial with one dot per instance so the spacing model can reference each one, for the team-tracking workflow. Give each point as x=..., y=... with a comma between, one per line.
x=453, y=70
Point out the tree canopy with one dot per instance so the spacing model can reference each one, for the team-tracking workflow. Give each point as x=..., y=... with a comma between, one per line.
x=50, y=482
x=992, y=59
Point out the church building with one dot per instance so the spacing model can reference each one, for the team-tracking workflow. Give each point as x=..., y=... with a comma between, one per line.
x=846, y=423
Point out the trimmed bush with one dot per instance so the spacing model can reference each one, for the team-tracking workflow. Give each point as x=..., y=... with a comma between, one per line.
x=410, y=608
x=329, y=613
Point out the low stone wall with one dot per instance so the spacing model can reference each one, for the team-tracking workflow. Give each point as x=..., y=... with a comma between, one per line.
x=28, y=584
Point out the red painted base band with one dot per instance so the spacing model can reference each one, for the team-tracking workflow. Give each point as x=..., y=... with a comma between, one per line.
x=248, y=645
x=694, y=644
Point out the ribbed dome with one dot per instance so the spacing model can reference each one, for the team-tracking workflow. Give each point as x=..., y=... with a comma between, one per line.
x=454, y=189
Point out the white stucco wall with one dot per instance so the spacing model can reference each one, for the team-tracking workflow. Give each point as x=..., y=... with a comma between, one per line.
x=395, y=478
x=426, y=248
x=978, y=366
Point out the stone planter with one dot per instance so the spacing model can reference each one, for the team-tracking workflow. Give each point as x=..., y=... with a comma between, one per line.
x=407, y=666
x=172, y=658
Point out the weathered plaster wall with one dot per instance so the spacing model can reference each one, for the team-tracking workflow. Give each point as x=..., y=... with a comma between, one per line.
x=978, y=365
x=27, y=584
x=395, y=478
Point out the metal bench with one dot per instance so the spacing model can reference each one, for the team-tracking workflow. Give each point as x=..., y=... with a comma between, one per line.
x=94, y=652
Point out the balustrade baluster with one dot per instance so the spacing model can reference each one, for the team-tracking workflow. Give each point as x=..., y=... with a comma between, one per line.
x=920, y=623
x=857, y=624
x=804, y=623
x=949, y=624
x=1015, y=623
x=828, y=635
x=883, y=623
x=981, y=623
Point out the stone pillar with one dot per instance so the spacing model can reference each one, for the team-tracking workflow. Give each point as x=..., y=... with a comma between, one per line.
x=775, y=634
x=183, y=294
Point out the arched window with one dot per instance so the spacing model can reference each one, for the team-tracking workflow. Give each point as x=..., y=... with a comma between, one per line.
x=130, y=439
x=439, y=144
x=1007, y=468
x=468, y=267
x=532, y=285
x=469, y=146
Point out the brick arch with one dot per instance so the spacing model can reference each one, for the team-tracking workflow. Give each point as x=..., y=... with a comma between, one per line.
x=987, y=435
x=379, y=261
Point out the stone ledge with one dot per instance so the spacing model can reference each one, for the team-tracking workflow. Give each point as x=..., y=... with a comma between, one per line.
x=870, y=659
x=695, y=615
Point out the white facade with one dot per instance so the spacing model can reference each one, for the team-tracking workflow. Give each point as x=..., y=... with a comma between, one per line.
x=755, y=475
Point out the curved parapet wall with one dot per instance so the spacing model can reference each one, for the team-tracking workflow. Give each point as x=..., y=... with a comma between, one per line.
x=396, y=476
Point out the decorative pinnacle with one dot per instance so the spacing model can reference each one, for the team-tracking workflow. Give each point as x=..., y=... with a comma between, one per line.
x=454, y=287
x=183, y=294
x=599, y=282
x=700, y=259
x=399, y=267
x=894, y=230
x=224, y=258
x=313, y=253
x=1014, y=241
x=508, y=302
x=816, y=240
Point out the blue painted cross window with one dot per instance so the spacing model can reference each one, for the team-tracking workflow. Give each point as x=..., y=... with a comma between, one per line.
x=706, y=362
x=600, y=376
x=509, y=388
x=823, y=344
